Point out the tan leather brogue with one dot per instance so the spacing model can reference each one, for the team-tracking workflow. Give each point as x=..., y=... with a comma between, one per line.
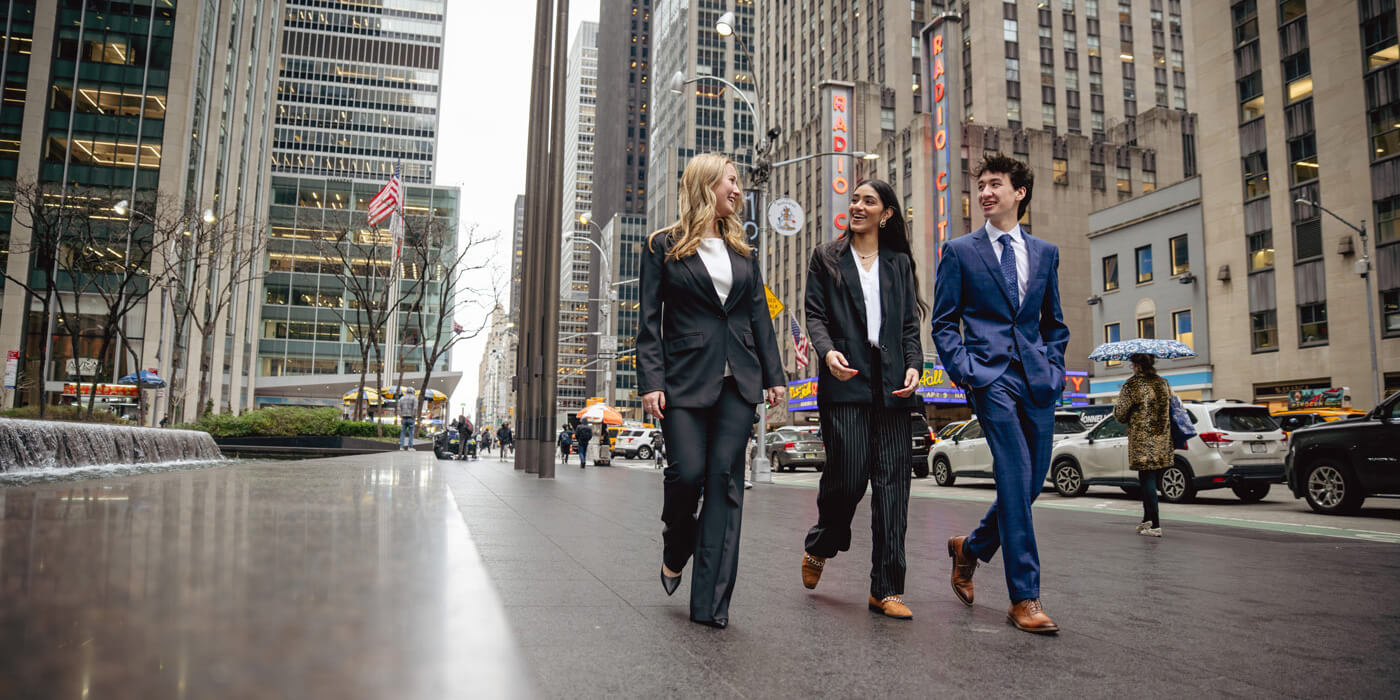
x=1028, y=616
x=891, y=606
x=963, y=568
x=812, y=569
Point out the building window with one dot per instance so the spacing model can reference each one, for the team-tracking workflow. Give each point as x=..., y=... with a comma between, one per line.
x=1251, y=94
x=1110, y=273
x=1181, y=257
x=1312, y=324
x=1302, y=158
x=1307, y=239
x=1289, y=10
x=1125, y=183
x=1256, y=175
x=1390, y=312
x=1111, y=335
x=1144, y=264
x=1060, y=167
x=1181, y=328
x=1383, y=111
x=1263, y=328
x=1047, y=116
x=1388, y=220
x=1246, y=21
x=1260, y=247
x=1147, y=327
x=1297, y=76
x=1378, y=37
x=1149, y=181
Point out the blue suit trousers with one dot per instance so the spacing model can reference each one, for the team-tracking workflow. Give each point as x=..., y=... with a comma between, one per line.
x=1020, y=437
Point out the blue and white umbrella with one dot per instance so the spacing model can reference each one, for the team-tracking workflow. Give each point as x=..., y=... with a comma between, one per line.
x=147, y=379
x=1157, y=347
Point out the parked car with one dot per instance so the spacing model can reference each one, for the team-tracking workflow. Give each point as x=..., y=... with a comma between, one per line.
x=965, y=452
x=946, y=431
x=922, y=436
x=634, y=443
x=1091, y=415
x=1304, y=417
x=1236, y=445
x=1336, y=465
x=790, y=447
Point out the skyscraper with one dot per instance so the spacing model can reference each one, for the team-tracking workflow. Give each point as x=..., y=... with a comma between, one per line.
x=160, y=105
x=358, y=97
x=1303, y=104
x=577, y=306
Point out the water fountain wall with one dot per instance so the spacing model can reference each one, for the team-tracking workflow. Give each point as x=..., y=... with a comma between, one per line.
x=34, y=444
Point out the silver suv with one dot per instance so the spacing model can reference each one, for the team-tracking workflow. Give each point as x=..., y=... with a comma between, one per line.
x=635, y=443
x=1237, y=445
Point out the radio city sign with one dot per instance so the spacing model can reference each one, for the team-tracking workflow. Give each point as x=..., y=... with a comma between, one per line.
x=837, y=125
x=940, y=81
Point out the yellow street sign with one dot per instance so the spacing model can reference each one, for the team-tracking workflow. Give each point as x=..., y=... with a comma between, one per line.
x=775, y=307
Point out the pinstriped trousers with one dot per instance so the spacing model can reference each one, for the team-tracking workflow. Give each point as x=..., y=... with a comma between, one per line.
x=865, y=445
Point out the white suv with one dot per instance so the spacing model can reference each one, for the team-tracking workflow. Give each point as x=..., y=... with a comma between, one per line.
x=635, y=443
x=965, y=452
x=1237, y=445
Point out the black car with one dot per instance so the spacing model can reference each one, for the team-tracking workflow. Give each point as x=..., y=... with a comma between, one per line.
x=922, y=437
x=1336, y=465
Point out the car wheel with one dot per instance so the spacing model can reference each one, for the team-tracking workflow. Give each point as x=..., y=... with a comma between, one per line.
x=1175, y=483
x=1251, y=493
x=773, y=460
x=942, y=471
x=1069, y=480
x=921, y=468
x=1331, y=489
x=644, y=452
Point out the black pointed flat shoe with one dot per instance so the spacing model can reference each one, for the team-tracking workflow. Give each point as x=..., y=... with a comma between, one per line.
x=670, y=583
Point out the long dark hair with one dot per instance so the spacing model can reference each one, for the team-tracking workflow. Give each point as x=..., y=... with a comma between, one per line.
x=893, y=235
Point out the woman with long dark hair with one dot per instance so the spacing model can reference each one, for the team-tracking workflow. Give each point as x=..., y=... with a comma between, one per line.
x=706, y=355
x=863, y=309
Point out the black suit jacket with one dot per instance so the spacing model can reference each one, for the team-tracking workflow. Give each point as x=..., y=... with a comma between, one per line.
x=685, y=335
x=836, y=320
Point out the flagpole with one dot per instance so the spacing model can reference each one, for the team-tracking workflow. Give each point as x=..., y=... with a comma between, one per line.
x=391, y=331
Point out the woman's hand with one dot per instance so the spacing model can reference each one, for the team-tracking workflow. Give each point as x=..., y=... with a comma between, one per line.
x=774, y=394
x=836, y=362
x=654, y=402
x=911, y=382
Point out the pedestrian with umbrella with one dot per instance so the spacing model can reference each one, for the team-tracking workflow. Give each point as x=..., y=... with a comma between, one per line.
x=1144, y=405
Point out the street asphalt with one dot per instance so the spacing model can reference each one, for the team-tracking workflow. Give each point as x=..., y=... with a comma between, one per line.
x=398, y=576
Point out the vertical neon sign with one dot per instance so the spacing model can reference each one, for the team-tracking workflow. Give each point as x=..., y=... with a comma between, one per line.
x=837, y=126
x=940, y=80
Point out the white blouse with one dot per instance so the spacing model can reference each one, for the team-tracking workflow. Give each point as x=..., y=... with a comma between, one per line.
x=870, y=288
x=715, y=254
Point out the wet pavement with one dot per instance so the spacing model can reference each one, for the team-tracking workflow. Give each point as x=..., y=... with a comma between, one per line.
x=397, y=576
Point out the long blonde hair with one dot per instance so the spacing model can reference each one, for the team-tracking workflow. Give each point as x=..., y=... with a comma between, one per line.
x=697, y=210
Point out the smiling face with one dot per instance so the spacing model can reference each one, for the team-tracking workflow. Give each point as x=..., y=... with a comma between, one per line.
x=998, y=198
x=867, y=211
x=728, y=193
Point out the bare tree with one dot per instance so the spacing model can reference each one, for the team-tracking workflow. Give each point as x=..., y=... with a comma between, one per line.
x=460, y=286
x=360, y=260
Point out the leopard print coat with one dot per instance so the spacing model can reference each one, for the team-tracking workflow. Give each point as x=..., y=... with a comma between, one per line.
x=1144, y=405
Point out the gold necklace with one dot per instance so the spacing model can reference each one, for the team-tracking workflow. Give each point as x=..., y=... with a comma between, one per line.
x=863, y=256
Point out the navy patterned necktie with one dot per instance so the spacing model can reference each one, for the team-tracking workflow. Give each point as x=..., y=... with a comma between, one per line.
x=1008, y=270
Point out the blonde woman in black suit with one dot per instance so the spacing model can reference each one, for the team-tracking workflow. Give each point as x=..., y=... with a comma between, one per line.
x=706, y=356
x=863, y=309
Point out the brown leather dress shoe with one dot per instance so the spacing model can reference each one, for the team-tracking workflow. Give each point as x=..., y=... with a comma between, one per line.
x=812, y=569
x=1028, y=616
x=963, y=568
x=891, y=606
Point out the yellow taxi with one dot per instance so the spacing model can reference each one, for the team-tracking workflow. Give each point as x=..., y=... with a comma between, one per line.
x=1294, y=419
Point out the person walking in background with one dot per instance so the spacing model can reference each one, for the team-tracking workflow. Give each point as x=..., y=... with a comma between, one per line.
x=583, y=434
x=485, y=439
x=1144, y=405
x=505, y=438
x=999, y=331
x=706, y=356
x=566, y=440
x=863, y=310
x=408, y=417
x=463, y=426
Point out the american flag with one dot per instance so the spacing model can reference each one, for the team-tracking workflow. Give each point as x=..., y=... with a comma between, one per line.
x=457, y=328
x=387, y=201
x=799, y=342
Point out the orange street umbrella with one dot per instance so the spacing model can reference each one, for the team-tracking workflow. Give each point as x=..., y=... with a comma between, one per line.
x=601, y=412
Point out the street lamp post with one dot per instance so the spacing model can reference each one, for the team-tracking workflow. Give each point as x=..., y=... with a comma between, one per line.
x=1363, y=268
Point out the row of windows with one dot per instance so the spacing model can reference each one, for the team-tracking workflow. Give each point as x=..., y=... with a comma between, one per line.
x=1180, y=263
x=1181, y=328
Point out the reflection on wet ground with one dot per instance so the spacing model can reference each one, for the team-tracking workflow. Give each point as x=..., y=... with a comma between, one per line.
x=325, y=578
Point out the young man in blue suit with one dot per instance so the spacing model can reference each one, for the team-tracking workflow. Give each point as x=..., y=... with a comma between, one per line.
x=1001, y=337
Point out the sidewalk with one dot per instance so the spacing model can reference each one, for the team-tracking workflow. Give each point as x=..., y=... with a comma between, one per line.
x=398, y=576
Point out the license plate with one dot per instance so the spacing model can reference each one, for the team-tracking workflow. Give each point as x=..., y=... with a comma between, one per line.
x=810, y=455
x=1258, y=447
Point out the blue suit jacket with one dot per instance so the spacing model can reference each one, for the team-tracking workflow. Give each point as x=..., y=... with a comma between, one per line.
x=978, y=333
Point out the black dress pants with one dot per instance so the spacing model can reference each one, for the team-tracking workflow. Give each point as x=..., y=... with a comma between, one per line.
x=705, y=455
x=866, y=444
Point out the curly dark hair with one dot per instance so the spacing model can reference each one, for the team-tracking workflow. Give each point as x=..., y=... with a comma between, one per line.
x=1018, y=171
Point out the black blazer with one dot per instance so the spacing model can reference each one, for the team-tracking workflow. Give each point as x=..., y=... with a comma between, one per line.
x=685, y=335
x=836, y=320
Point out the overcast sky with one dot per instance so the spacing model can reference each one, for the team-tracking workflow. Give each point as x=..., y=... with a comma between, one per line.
x=483, y=131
